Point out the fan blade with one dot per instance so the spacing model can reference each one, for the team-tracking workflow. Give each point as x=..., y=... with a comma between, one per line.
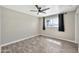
x=45, y=9
x=44, y=12
x=37, y=6
x=33, y=10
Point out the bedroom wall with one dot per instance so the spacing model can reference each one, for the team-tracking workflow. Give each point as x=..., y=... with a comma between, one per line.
x=16, y=25
x=69, y=33
x=77, y=26
x=0, y=25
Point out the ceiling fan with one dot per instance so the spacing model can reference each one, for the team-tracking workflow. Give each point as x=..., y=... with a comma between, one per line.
x=39, y=10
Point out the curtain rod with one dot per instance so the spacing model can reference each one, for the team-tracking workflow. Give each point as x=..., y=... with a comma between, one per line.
x=55, y=14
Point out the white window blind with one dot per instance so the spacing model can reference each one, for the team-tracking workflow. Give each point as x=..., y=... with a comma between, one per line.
x=52, y=21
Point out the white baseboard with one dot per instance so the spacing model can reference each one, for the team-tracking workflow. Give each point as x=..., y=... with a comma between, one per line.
x=59, y=38
x=18, y=40
x=31, y=37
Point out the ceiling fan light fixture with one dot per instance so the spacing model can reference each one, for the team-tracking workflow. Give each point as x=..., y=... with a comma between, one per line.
x=39, y=10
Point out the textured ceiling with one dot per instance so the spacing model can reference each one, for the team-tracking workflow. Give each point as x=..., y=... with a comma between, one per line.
x=54, y=9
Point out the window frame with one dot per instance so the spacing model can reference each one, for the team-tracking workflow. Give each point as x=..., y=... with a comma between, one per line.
x=48, y=18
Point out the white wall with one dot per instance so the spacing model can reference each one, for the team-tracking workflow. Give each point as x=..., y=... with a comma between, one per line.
x=0, y=25
x=77, y=26
x=69, y=33
x=16, y=25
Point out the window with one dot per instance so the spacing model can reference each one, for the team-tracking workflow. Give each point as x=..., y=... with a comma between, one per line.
x=52, y=21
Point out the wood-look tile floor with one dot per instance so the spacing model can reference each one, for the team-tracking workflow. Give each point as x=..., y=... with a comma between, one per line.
x=41, y=44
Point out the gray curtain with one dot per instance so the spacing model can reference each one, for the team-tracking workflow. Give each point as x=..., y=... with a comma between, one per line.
x=61, y=22
x=44, y=23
